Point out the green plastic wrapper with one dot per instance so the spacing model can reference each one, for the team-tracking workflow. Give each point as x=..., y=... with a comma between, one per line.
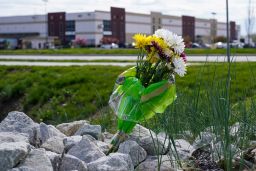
x=133, y=103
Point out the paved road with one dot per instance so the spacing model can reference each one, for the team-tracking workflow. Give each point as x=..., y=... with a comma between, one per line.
x=102, y=57
x=211, y=58
x=21, y=63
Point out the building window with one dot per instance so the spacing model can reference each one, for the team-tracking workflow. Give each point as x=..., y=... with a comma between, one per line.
x=51, y=29
x=153, y=19
x=106, y=25
x=61, y=29
x=70, y=25
x=70, y=38
x=153, y=29
x=159, y=21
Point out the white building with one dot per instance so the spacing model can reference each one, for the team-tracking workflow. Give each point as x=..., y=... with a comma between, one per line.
x=33, y=31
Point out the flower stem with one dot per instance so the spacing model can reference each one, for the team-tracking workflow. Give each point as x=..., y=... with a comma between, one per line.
x=118, y=138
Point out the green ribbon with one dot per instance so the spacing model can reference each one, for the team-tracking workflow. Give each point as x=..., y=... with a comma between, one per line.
x=132, y=102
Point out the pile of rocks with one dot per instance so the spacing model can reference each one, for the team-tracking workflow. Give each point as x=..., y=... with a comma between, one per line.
x=29, y=146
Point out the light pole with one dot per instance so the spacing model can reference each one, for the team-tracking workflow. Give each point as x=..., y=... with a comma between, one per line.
x=46, y=23
x=214, y=27
x=228, y=46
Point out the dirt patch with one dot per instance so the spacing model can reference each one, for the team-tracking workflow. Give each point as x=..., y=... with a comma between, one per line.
x=13, y=104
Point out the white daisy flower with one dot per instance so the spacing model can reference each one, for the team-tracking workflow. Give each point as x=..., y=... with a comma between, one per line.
x=180, y=66
x=163, y=33
x=172, y=40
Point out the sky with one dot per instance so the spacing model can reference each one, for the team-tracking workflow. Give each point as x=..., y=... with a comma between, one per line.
x=197, y=8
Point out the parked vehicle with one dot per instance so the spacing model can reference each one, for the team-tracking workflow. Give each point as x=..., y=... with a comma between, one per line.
x=220, y=45
x=206, y=45
x=196, y=45
x=237, y=45
x=110, y=46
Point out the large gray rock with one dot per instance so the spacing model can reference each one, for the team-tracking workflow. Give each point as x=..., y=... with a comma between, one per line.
x=151, y=164
x=139, y=132
x=154, y=145
x=19, y=122
x=70, y=128
x=107, y=137
x=36, y=160
x=163, y=135
x=13, y=137
x=113, y=162
x=234, y=130
x=104, y=147
x=69, y=142
x=93, y=130
x=184, y=149
x=54, y=144
x=70, y=162
x=47, y=131
x=205, y=138
x=22, y=169
x=12, y=153
x=86, y=150
x=136, y=152
x=55, y=159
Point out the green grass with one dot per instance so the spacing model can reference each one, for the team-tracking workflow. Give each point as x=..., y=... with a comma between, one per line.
x=76, y=51
x=214, y=101
x=55, y=94
x=93, y=51
x=209, y=97
x=61, y=94
x=234, y=51
x=45, y=60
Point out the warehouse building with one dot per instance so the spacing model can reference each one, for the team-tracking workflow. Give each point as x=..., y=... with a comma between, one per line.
x=38, y=31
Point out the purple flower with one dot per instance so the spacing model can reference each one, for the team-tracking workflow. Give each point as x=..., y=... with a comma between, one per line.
x=161, y=54
x=183, y=56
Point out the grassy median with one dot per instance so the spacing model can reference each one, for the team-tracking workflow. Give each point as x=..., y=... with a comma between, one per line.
x=61, y=94
x=97, y=51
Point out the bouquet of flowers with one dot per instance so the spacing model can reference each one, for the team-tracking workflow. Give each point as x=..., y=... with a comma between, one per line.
x=148, y=88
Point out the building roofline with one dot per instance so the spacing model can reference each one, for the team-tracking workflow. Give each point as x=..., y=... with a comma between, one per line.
x=29, y=15
x=127, y=12
x=136, y=13
x=101, y=11
x=171, y=16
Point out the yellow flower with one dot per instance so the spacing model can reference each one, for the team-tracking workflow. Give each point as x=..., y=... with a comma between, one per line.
x=140, y=40
x=159, y=41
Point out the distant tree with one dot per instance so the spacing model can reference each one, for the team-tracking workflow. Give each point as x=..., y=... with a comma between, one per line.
x=220, y=39
x=57, y=42
x=187, y=41
x=249, y=23
x=79, y=42
x=109, y=40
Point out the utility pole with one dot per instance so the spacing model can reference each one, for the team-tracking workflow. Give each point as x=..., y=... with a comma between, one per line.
x=249, y=23
x=228, y=39
x=46, y=23
x=214, y=27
